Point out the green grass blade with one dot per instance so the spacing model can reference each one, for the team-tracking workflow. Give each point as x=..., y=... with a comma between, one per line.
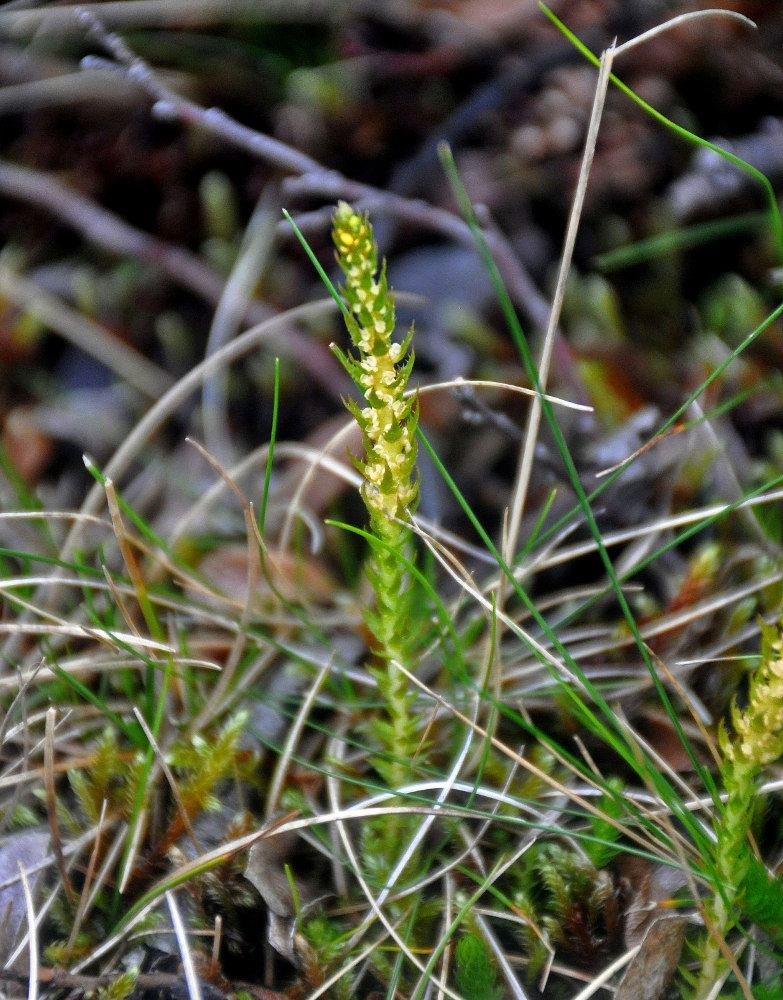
x=683, y=133
x=317, y=265
x=677, y=240
x=271, y=454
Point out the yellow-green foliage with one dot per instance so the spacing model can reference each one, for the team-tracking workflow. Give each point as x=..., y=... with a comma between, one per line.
x=570, y=901
x=756, y=743
x=390, y=487
x=758, y=729
x=199, y=765
x=120, y=988
x=389, y=420
x=202, y=764
x=111, y=779
x=476, y=976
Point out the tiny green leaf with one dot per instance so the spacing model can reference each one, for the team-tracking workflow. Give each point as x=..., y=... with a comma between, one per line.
x=476, y=974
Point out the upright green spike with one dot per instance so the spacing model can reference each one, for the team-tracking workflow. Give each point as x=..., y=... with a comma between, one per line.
x=390, y=487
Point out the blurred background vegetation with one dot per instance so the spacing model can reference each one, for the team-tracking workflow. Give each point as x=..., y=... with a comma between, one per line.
x=147, y=148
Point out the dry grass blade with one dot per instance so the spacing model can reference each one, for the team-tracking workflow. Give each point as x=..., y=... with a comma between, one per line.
x=32, y=936
x=88, y=889
x=673, y=22
x=292, y=737
x=255, y=546
x=51, y=804
x=233, y=305
x=462, y=576
x=169, y=775
x=501, y=957
x=96, y=341
x=111, y=639
x=525, y=467
x=556, y=791
x=133, y=848
x=188, y=965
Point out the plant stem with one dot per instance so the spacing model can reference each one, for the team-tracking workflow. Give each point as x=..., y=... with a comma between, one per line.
x=758, y=741
x=390, y=487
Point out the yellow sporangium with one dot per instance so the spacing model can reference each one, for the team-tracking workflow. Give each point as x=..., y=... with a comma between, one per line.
x=757, y=742
x=390, y=487
x=389, y=419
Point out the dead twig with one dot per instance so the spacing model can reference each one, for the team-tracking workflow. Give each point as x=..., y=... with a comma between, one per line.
x=309, y=176
x=112, y=234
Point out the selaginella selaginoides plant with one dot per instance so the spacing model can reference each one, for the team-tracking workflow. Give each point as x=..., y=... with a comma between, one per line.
x=757, y=742
x=381, y=370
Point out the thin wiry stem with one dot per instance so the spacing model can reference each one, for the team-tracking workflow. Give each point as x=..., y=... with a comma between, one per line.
x=377, y=912
x=113, y=234
x=163, y=764
x=92, y=338
x=501, y=957
x=673, y=22
x=226, y=321
x=524, y=471
x=89, y=874
x=141, y=433
x=136, y=14
x=310, y=176
x=215, y=703
x=295, y=730
x=32, y=937
x=51, y=803
x=188, y=965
